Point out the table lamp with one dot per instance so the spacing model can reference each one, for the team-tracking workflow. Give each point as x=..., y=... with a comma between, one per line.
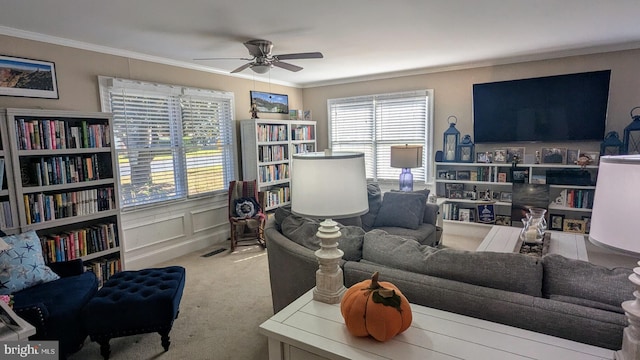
x=329, y=185
x=614, y=225
x=406, y=157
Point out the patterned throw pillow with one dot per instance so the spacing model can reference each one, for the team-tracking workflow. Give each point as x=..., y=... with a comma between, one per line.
x=22, y=266
x=246, y=207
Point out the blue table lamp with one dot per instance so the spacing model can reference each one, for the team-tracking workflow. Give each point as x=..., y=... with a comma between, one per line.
x=406, y=157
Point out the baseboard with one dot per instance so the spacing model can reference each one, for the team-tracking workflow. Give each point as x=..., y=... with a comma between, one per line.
x=148, y=259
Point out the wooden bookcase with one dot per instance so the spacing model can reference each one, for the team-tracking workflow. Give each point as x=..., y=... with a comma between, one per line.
x=267, y=149
x=65, y=180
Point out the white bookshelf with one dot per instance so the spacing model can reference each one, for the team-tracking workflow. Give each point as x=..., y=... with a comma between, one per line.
x=267, y=149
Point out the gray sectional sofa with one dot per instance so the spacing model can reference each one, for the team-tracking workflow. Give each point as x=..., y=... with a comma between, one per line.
x=554, y=295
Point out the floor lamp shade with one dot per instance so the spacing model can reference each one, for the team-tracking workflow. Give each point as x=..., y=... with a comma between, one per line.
x=614, y=224
x=406, y=157
x=329, y=185
x=616, y=206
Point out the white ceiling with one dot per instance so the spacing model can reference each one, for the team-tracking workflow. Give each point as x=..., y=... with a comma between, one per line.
x=360, y=39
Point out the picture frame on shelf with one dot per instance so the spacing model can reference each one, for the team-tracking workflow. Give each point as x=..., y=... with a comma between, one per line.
x=451, y=175
x=455, y=194
x=442, y=174
x=37, y=78
x=556, y=222
x=464, y=215
x=519, y=175
x=593, y=155
x=307, y=115
x=486, y=214
x=464, y=175
x=506, y=196
x=504, y=220
x=500, y=156
x=270, y=102
x=502, y=177
x=572, y=156
x=481, y=157
x=454, y=186
x=573, y=226
x=553, y=155
x=513, y=152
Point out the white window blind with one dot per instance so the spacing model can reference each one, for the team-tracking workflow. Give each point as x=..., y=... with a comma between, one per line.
x=371, y=124
x=170, y=143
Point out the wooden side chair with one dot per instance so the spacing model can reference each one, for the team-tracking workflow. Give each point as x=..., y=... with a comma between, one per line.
x=245, y=214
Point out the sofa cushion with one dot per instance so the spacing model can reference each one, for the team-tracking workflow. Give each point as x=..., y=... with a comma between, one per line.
x=22, y=265
x=422, y=234
x=375, y=201
x=505, y=271
x=581, y=279
x=395, y=251
x=303, y=232
x=401, y=209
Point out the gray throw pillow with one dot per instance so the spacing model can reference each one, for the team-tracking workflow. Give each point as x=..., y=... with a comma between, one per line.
x=395, y=251
x=375, y=201
x=303, y=231
x=401, y=209
x=581, y=279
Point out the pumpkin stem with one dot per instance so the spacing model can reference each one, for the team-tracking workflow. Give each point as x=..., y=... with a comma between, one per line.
x=374, y=281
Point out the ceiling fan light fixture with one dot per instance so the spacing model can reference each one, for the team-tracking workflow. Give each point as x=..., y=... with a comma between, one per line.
x=261, y=68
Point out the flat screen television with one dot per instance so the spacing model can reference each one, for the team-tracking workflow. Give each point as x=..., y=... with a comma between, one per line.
x=559, y=108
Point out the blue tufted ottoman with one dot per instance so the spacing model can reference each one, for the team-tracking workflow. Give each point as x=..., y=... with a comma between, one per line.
x=135, y=302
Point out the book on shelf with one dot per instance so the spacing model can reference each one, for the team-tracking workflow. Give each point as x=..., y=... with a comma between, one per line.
x=50, y=134
x=74, y=244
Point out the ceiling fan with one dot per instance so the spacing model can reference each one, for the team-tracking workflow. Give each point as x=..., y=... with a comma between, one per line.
x=262, y=60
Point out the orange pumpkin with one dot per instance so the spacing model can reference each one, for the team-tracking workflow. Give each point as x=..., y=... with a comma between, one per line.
x=375, y=308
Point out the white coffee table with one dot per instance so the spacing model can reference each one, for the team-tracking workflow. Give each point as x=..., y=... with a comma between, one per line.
x=311, y=330
x=505, y=239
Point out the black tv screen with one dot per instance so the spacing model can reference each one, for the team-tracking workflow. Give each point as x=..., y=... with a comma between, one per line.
x=569, y=107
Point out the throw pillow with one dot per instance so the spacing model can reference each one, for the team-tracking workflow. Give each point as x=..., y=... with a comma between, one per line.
x=401, y=209
x=23, y=266
x=246, y=207
x=303, y=231
x=395, y=251
x=375, y=201
x=581, y=279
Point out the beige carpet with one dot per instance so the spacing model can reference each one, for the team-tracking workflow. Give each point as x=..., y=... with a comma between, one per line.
x=226, y=297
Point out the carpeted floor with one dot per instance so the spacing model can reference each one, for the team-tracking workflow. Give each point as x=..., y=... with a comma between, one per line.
x=226, y=297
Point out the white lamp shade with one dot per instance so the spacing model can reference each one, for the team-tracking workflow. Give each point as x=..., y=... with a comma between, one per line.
x=329, y=186
x=615, y=221
x=406, y=156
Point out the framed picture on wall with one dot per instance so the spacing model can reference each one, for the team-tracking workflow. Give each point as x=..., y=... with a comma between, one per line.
x=28, y=78
x=270, y=102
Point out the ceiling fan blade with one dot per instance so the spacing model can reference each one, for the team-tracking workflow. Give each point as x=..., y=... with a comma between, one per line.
x=286, y=66
x=217, y=58
x=309, y=55
x=242, y=68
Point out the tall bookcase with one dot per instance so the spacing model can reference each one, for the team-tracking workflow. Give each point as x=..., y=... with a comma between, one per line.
x=64, y=177
x=8, y=213
x=267, y=149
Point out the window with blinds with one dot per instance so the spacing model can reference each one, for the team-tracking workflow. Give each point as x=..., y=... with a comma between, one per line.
x=371, y=124
x=171, y=142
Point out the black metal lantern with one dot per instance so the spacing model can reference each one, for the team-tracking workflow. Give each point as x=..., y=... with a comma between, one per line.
x=465, y=149
x=632, y=134
x=451, y=140
x=611, y=144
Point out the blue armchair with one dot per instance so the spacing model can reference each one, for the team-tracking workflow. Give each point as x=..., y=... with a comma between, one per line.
x=54, y=308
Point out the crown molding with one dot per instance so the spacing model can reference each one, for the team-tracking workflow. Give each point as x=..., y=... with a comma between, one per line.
x=28, y=35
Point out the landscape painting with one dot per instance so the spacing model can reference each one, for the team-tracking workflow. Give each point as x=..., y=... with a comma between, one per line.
x=270, y=103
x=28, y=78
